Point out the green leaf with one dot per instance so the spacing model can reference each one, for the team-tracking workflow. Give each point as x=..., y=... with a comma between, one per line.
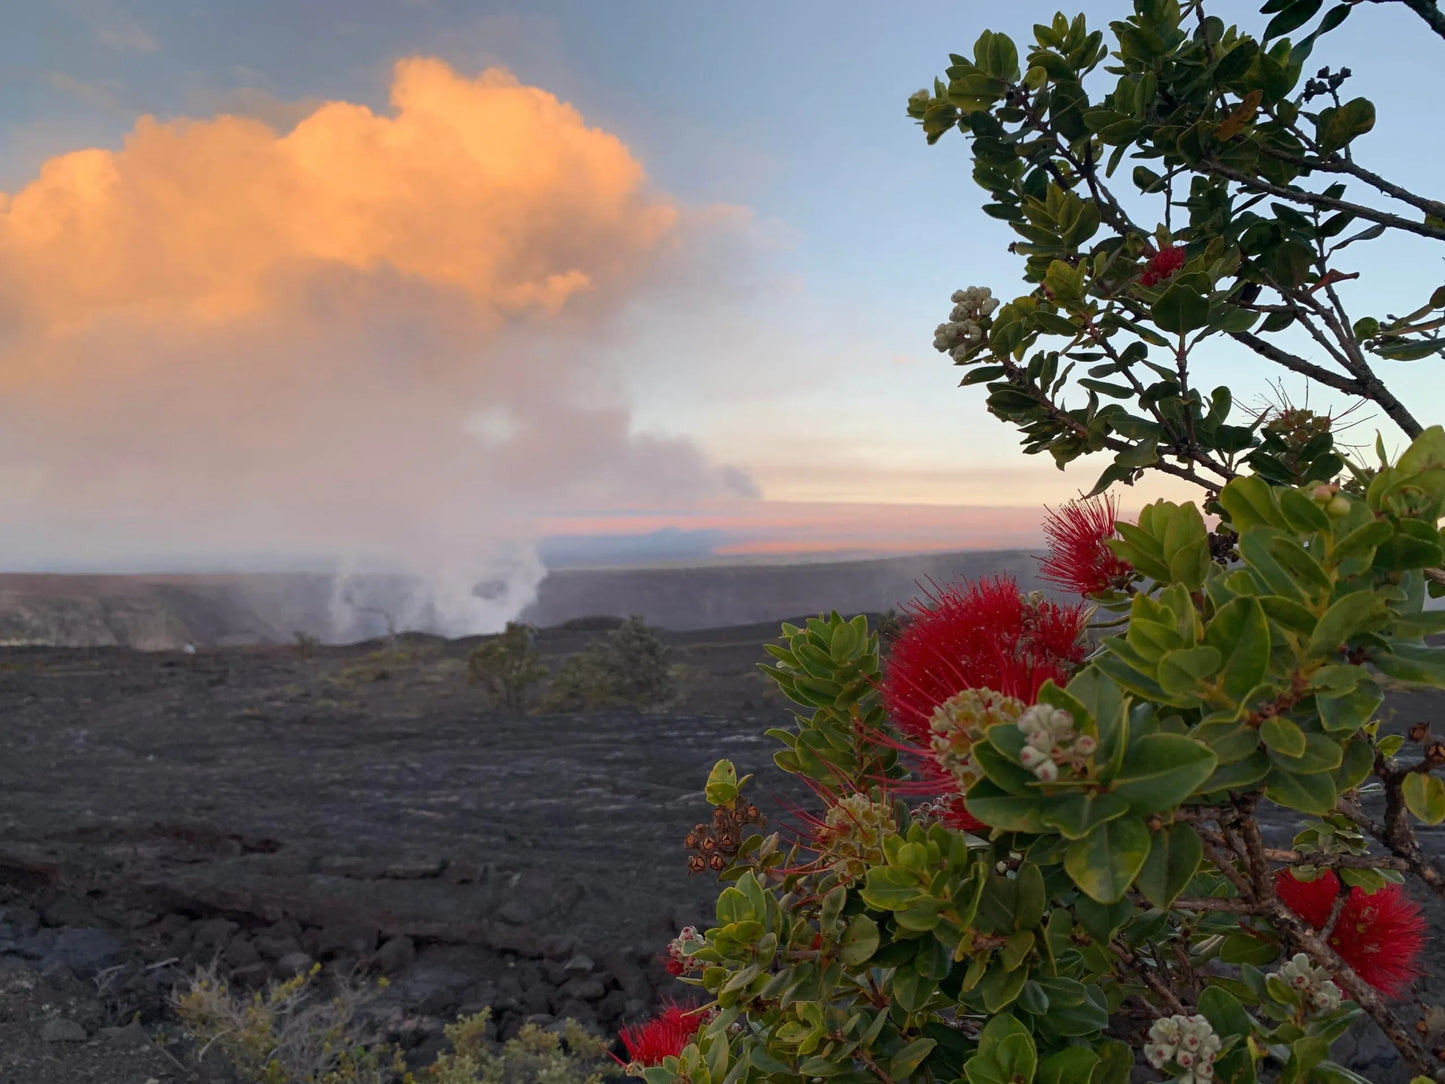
x=1102, y=921
x=1180, y=309
x=1105, y=863
x=1292, y=615
x=997, y=808
x=1356, y=765
x=1314, y=794
x=1426, y=452
x=1308, y=572
x=1239, y=632
x=1018, y=1058
x=1362, y=541
x=903, y=1063
x=1161, y=770
x=1320, y=754
x=1351, y=710
x=1076, y=815
x=860, y=940
x=1283, y=736
x=1224, y=1012
x=1293, y=16
x=911, y=990
x=1338, y=127
x=722, y=784
x=1249, y=503
x=1116, y=1062
x=886, y=888
x=1238, y=775
x=1418, y=665
x=1347, y=618
x=1000, y=987
x=1183, y=673
x=1101, y=698
x=996, y=55
x=1425, y=796
x=1302, y=514
x=1072, y=1065
x=1174, y=857
x=1032, y=901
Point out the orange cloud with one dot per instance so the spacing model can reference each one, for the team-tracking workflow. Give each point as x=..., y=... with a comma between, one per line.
x=481, y=185
x=374, y=332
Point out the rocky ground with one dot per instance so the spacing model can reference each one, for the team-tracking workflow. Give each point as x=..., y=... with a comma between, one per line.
x=360, y=809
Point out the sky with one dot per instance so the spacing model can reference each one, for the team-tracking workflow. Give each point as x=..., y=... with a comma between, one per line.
x=460, y=284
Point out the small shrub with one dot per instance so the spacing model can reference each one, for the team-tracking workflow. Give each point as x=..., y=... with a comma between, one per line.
x=287, y=1034
x=384, y=664
x=627, y=669
x=533, y=1056
x=305, y=645
x=507, y=665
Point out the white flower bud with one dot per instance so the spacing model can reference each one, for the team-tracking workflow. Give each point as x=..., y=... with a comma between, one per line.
x=1047, y=772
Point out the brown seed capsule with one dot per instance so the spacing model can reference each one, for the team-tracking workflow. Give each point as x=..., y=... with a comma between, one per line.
x=1420, y=731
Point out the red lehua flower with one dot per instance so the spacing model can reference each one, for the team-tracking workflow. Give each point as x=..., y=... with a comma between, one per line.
x=975, y=636
x=1079, y=559
x=664, y=1036
x=1380, y=934
x=1162, y=264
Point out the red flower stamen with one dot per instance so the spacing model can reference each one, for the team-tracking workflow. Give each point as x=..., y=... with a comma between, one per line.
x=1380, y=934
x=664, y=1036
x=973, y=636
x=1079, y=558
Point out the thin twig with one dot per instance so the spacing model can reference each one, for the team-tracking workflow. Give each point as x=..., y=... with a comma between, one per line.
x=1313, y=199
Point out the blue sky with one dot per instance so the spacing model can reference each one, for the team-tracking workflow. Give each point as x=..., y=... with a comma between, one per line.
x=801, y=351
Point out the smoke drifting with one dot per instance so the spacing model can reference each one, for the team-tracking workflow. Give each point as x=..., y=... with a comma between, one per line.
x=367, y=341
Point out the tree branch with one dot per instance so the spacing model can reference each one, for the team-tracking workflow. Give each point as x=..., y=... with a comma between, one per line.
x=1297, y=364
x=1349, y=168
x=1314, y=199
x=1295, y=929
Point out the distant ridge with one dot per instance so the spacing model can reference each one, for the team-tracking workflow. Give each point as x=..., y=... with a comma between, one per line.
x=713, y=596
